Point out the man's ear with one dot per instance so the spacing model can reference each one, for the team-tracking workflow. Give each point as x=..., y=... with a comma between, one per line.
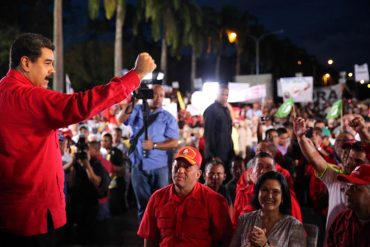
x=25, y=63
x=199, y=173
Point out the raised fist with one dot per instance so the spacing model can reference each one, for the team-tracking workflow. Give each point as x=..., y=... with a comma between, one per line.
x=144, y=64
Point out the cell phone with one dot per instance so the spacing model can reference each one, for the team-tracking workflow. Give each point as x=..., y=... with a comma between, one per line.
x=309, y=133
x=264, y=118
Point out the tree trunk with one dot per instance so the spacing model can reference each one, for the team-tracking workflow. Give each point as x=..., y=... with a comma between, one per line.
x=164, y=59
x=193, y=69
x=58, y=79
x=237, y=65
x=118, y=63
x=217, y=66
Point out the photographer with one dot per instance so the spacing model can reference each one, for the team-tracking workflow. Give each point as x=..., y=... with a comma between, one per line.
x=89, y=183
x=150, y=173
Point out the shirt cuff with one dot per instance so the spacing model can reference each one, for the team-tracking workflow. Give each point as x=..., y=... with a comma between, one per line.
x=130, y=82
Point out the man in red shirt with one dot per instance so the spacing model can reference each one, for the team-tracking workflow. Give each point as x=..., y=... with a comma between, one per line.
x=352, y=226
x=186, y=213
x=32, y=201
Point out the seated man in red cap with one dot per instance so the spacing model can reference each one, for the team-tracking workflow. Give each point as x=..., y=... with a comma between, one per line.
x=186, y=213
x=352, y=226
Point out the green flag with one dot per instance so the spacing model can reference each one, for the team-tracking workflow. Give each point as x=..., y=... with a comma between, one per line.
x=285, y=109
x=335, y=110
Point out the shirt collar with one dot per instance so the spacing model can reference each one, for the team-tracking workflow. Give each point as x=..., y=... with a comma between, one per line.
x=13, y=73
x=192, y=194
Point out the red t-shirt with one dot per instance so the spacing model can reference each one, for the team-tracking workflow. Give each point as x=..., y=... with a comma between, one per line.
x=200, y=219
x=31, y=174
x=347, y=231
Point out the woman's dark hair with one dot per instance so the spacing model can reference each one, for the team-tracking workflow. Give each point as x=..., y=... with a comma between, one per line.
x=286, y=203
x=28, y=44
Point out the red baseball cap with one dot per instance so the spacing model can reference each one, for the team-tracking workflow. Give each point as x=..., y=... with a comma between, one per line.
x=359, y=176
x=190, y=154
x=66, y=132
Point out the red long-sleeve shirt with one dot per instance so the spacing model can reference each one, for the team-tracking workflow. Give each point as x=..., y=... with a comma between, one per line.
x=31, y=175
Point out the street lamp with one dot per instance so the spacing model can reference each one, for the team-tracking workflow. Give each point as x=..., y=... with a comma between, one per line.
x=257, y=40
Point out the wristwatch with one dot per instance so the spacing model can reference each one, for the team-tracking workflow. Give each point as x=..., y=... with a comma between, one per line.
x=155, y=145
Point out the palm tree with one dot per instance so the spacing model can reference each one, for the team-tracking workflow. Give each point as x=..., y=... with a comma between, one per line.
x=111, y=7
x=164, y=18
x=193, y=34
x=58, y=79
x=213, y=31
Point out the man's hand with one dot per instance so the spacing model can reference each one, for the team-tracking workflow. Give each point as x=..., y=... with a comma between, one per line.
x=148, y=144
x=144, y=65
x=358, y=124
x=299, y=127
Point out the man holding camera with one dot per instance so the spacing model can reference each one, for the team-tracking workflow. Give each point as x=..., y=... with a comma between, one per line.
x=149, y=157
x=89, y=183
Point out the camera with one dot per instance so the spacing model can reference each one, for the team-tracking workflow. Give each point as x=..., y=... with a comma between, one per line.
x=82, y=148
x=144, y=92
x=264, y=118
x=309, y=133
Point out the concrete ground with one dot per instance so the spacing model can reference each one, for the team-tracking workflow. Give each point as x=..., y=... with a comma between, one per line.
x=120, y=230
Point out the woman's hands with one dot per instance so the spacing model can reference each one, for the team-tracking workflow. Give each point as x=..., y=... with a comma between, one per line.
x=258, y=237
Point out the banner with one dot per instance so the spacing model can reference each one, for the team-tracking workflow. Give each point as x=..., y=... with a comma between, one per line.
x=300, y=89
x=242, y=92
x=330, y=94
x=361, y=72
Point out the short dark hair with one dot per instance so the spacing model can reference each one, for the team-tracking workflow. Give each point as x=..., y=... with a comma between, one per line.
x=359, y=147
x=117, y=129
x=318, y=131
x=286, y=203
x=281, y=131
x=223, y=86
x=214, y=161
x=268, y=134
x=237, y=158
x=262, y=155
x=28, y=44
x=270, y=146
x=109, y=136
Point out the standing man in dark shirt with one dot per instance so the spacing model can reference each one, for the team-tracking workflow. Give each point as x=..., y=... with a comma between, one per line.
x=217, y=129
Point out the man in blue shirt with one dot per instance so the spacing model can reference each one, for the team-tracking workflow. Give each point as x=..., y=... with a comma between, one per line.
x=151, y=173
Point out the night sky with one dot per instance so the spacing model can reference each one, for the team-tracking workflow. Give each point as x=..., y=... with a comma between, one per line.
x=337, y=29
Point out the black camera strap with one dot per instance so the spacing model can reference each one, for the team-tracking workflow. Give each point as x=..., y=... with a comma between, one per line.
x=134, y=140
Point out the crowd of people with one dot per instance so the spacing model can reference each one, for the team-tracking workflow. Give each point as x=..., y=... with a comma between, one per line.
x=301, y=156
x=234, y=176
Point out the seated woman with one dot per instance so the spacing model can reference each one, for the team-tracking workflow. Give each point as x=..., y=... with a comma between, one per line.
x=271, y=224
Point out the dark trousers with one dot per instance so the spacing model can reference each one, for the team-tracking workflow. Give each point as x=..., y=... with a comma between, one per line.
x=41, y=240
